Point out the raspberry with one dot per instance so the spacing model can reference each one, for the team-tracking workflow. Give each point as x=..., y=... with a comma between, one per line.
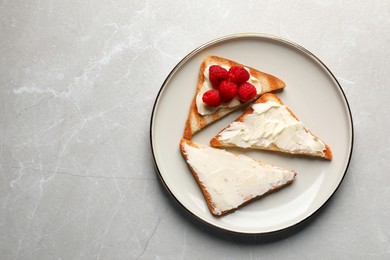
x=246, y=91
x=211, y=97
x=238, y=74
x=217, y=74
x=227, y=90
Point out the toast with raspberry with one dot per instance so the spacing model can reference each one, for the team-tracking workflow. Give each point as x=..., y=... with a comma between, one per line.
x=229, y=181
x=202, y=114
x=269, y=125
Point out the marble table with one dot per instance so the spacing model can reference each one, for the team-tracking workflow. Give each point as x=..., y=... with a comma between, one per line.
x=77, y=85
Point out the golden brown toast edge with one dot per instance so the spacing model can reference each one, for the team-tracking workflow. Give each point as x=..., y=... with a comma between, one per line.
x=206, y=195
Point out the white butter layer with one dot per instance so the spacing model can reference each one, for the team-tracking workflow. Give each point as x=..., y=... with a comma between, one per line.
x=204, y=109
x=272, y=123
x=232, y=180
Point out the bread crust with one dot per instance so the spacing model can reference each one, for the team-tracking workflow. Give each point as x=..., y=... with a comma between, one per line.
x=214, y=142
x=207, y=195
x=196, y=121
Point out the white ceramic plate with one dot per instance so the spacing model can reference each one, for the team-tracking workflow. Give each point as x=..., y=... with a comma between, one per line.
x=312, y=92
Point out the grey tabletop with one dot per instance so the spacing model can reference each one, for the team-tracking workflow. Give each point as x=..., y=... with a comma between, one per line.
x=78, y=82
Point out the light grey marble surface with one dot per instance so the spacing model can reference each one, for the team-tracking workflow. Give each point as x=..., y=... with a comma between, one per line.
x=77, y=84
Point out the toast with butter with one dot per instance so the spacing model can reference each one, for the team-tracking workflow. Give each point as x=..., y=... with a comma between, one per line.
x=229, y=181
x=201, y=114
x=270, y=125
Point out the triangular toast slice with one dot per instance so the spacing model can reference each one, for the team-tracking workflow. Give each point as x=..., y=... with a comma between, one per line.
x=270, y=125
x=201, y=114
x=227, y=180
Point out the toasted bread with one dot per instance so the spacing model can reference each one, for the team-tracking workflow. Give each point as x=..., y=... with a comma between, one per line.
x=197, y=121
x=278, y=131
x=229, y=181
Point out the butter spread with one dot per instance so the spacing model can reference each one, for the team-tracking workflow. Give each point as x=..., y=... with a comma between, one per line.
x=204, y=109
x=272, y=123
x=232, y=180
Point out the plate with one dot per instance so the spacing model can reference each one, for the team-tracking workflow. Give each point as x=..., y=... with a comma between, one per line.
x=311, y=91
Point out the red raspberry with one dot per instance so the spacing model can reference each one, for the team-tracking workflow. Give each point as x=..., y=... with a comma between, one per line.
x=246, y=91
x=217, y=74
x=211, y=97
x=227, y=90
x=238, y=74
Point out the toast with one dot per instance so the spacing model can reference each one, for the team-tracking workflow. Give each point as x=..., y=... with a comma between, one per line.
x=229, y=181
x=270, y=125
x=200, y=114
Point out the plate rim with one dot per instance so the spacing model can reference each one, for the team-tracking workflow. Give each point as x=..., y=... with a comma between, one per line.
x=264, y=37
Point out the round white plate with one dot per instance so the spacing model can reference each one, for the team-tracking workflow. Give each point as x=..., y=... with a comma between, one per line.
x=314, y=95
